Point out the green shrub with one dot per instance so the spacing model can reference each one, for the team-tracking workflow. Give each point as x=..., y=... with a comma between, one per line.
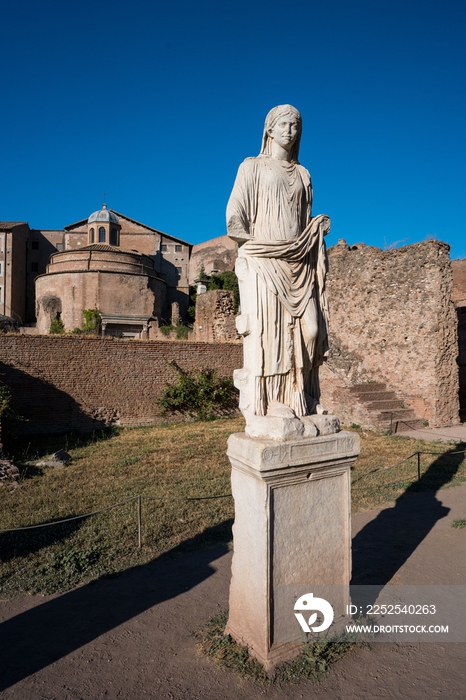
x=92, y=320
x=57, y=326
x=459, y=523
x=199, y=394
x=182, y=332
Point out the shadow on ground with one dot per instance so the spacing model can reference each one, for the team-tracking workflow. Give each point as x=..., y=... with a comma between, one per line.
x=382, y=547
x=40, y=636
x=25, y=450
x=19, y=544
x=46, y=410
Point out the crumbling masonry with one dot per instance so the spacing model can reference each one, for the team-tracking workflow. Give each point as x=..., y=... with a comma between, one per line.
x=392, y=320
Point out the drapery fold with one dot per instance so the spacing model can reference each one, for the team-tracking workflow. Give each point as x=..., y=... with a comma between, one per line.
x=270, y=205
x=294, y=270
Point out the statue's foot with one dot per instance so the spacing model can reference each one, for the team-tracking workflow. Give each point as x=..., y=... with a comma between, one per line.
x=280, y=410
x=313, y=406
x=274, y=427
x=320, y=410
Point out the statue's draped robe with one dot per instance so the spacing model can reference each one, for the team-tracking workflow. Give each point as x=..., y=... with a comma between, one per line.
x=271, y=202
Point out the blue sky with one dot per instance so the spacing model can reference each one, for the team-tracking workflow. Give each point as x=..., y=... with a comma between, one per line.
x=158, y=103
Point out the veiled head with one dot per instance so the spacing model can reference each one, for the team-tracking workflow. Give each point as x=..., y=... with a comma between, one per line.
x=271, y=119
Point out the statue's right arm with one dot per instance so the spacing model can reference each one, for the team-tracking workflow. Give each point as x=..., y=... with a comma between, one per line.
x=236, y=230
x=239, y=215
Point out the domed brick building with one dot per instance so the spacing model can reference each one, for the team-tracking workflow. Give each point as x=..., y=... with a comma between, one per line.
x=122, y=285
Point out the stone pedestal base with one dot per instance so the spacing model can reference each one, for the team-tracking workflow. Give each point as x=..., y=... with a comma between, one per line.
x=292, y=537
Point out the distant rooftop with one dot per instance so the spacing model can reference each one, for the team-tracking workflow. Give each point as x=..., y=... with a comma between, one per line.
x=103, y=214
x=102, y=246
x=11, y=224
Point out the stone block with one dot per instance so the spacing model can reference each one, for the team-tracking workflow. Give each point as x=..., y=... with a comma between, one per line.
x=274, y=428
x=291, y=534
x=324, y=424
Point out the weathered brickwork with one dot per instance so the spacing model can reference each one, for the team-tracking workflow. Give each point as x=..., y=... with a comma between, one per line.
x=392, y=320
x=459, y=299
x=215, y=319
x=63, y=383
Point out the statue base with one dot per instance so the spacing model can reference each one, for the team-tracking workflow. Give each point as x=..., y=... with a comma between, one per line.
x=292, y=536
x=290, y=428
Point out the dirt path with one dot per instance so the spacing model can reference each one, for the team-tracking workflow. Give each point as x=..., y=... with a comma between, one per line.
x=130, y=636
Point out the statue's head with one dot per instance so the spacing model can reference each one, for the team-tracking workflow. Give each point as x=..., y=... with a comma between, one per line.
x=271, y=119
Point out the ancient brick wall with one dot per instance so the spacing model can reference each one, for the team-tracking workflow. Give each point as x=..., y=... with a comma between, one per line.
x=63, y=383
x=392, y=320
x=459, y=299
x=215, y=319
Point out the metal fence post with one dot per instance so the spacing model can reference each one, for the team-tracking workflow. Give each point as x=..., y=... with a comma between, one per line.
x=139, y=523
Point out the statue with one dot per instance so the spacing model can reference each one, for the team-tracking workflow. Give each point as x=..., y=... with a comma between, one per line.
x=281, y=267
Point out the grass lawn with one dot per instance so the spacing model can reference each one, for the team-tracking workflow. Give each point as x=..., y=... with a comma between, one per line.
x=176, y=461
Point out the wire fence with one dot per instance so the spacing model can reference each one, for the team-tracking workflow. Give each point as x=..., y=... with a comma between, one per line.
x=137, y=498
x=396, y=423
x=406, y=459
x=140, y=497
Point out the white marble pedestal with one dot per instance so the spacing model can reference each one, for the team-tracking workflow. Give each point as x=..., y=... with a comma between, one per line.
x=291, y=536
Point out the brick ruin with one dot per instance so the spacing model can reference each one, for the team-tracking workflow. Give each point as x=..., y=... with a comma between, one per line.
x=215, y=320
x=392, y=322
x=459, y=300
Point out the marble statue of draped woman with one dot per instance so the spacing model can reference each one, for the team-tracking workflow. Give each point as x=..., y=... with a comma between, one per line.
x=281, y=266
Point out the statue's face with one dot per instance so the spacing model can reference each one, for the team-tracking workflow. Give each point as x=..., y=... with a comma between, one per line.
x=285, y=131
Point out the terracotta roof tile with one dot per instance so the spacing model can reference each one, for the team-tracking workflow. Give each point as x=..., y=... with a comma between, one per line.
x=101, y=246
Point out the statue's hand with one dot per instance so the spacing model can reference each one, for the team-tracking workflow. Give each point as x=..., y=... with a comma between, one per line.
x=325, y=224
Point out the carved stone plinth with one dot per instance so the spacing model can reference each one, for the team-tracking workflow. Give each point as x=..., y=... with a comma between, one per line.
x=291, y=535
